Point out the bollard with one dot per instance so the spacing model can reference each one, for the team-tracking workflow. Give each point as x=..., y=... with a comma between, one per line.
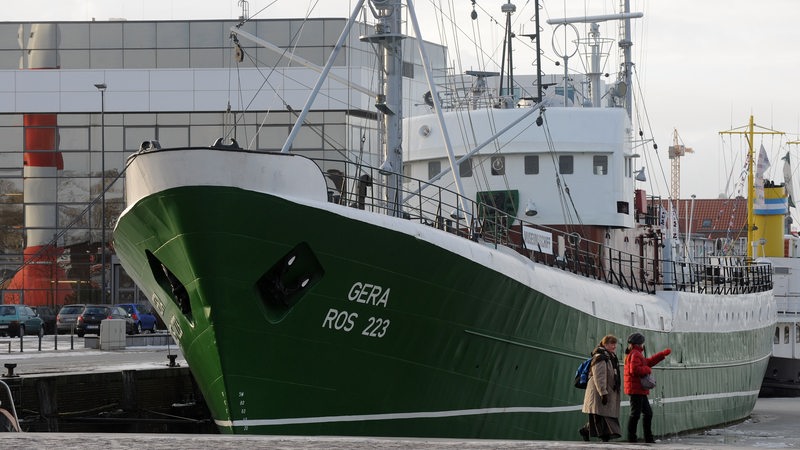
x=21, y=335
x=72, y=338
x=10, y=367
x=40, y=341
x=55, y=338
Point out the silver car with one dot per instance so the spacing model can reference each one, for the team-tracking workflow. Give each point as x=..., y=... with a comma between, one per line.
x=67, y=317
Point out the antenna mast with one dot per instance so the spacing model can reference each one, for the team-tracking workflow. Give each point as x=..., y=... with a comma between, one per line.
x=509, y=9
x=594, y=42
x=245, y=11
x=625, y=44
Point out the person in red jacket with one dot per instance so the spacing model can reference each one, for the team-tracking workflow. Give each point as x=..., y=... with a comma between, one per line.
x=637, y=366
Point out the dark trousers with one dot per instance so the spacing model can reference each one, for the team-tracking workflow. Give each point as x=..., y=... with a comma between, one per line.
x=639, y=406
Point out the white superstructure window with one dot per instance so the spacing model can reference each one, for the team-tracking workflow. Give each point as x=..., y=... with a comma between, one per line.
x=566, y=164
x=465, y=168
x=434, y=167
x=531, y=164
x=600, y=164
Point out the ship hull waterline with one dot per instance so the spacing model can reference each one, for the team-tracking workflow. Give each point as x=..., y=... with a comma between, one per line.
x=431, y=345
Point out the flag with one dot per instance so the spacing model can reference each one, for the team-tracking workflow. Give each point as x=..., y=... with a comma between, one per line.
x=787, y=179
x=761, y=167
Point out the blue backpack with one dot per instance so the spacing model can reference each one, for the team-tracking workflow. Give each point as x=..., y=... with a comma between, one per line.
x=582, y=374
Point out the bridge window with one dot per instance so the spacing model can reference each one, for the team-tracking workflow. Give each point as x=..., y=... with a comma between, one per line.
x=566, y=164
x=465, y=168
x=600, y=164
x=434, y=167
x=408, y=69
x=531, y=164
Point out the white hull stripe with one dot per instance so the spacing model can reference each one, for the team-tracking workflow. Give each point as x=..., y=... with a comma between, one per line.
x=458, y=412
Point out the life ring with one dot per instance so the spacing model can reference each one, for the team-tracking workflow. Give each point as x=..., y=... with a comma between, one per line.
x=498, y=163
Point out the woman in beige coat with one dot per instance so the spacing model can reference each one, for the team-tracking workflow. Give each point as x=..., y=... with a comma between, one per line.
x=602, y=397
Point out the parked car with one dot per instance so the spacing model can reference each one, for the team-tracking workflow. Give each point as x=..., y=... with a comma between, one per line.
x=116, y=312
x=88, y=321
x=19, y=320
x=66, y=319
x=144, y=318
x=85, y=319
x=48, y=315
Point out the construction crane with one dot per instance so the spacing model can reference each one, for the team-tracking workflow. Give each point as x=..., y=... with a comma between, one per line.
x=676, y=151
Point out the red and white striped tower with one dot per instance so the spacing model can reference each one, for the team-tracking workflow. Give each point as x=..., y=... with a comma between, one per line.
x=40, y=274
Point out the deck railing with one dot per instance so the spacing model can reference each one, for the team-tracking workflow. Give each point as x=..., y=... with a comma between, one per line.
x=444, y=209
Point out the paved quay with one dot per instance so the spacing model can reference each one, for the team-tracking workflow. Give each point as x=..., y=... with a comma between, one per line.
x=773, y=425
x=70, y=355
x=73, y=386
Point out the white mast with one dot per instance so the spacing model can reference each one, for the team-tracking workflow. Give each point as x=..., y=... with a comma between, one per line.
x=389, y=100
x=625, y=44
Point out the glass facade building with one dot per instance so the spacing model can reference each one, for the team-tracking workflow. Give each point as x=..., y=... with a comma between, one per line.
x=177, y=82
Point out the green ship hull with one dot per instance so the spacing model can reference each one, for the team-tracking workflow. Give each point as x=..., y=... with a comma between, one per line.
x=309, y=318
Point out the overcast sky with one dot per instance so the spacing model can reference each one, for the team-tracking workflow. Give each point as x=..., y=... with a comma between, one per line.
x=704, y=65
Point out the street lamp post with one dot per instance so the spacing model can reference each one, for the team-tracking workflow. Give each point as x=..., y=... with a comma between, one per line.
x=102, y=88
x=689, y=228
